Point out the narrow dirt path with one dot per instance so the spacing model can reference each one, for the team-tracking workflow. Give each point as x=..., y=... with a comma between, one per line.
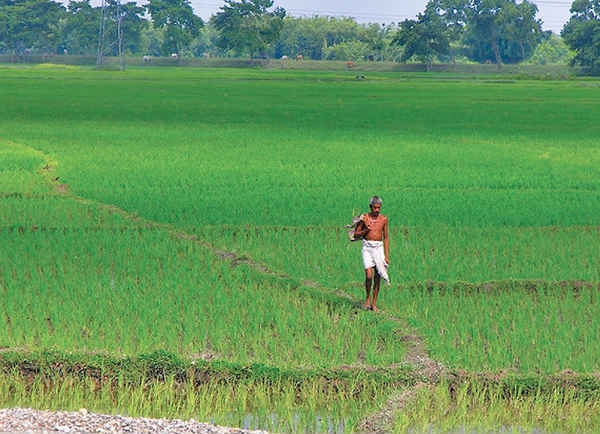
x=382, y=421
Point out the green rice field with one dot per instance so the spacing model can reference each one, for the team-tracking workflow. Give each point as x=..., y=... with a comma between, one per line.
x=139, y=211
x=477, y=409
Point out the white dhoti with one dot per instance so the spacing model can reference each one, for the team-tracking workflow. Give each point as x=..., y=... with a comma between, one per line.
x=373, y=256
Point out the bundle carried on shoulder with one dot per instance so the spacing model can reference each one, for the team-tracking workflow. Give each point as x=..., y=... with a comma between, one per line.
x=352, y=226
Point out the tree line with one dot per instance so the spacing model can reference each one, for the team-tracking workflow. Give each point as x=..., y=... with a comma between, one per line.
x=486, y=31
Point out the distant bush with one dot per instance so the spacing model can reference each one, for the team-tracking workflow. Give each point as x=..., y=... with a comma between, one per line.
x=552, y=51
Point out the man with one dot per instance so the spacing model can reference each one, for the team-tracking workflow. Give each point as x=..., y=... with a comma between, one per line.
x=373, y=229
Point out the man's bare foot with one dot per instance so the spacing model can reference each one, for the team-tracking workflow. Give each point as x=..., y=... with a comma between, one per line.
x=367, y=305
x=374, y=309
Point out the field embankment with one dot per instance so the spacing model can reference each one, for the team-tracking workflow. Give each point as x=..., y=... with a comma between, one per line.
x=539, y=71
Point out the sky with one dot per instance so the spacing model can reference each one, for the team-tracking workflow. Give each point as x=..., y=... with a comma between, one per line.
x=554, y=13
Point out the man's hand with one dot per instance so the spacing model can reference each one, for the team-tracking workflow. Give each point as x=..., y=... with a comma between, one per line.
x=387, y=260
x=366, y=219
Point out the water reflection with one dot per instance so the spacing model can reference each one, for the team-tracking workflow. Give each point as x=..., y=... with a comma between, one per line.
x=499, y=430
x=320, y=424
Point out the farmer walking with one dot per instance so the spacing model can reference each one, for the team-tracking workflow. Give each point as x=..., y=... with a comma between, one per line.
x=373, y=229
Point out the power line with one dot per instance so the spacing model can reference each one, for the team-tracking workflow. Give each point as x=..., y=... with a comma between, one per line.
x=325, y=12
x=551, y=2
x=346, y=13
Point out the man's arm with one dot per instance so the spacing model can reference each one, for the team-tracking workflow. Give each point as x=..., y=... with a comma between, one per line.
x=386, y=241
x=361, y=230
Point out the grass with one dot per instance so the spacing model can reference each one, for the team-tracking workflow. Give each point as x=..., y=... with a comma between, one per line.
x=441, y=252
x=483, y=179
x=172, y=296
x=482, y=409
x=83, y=282
x=443, y=153
x=543, y=331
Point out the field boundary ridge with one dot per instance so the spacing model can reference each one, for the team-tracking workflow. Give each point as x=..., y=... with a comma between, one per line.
x=162, y=365
x=491, y=286
x=110, y=62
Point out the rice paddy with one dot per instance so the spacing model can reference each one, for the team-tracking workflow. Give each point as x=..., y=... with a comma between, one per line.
x=488, y=184
x=279, y=407
x=543, y=331
x=91, y=283
x=477, y=409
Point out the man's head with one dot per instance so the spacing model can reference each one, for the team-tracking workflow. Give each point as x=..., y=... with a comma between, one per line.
x=375, y=205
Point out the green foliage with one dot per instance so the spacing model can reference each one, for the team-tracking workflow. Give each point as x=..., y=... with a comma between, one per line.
x=248, y=27
x=501, y=31
x=132, y=23
x=30, y=25
x=353, y=50
x=80, y=28
x=177, y=19
x=424, y=38
x=106, y=306
x=152, y=41
x=335, y=38
x=582, y=34
x=552, y=51
x=490, y=30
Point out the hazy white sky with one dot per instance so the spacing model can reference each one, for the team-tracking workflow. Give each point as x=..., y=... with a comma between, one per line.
x=554, y=13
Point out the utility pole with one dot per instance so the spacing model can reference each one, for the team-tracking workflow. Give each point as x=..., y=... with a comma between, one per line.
x=100, y=54
x=118, y=19
x=120, y=35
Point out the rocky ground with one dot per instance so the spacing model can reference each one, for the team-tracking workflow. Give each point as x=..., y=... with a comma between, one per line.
x=82, y=421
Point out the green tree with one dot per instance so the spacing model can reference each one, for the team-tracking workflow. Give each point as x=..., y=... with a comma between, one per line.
x=582, y=34
x=80, y=28
x=453, y=14
x=329, y=37
x=424, y=38
x=205, y=43
x=552, y=51
x=304, y=36
x=352, y=50
x=522, y=29
x=501, y=30
x=177, y=19
x=30, y=25
x=132, y=24
x=248, y=26
x=152, y=40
